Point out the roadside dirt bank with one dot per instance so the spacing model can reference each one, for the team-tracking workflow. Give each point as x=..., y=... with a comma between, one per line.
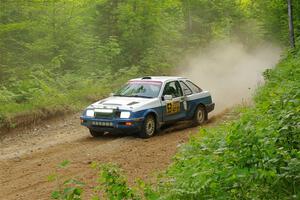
x=28, y=157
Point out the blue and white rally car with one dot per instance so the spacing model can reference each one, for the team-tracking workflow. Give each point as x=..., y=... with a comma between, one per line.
x=144, y=104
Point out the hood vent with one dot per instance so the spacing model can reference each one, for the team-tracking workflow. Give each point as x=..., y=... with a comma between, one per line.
x=132, y=103
x=100, y=102
x=112, y=104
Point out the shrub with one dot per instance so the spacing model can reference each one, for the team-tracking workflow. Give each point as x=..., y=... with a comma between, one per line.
x=255, y=157
x=113, y=183
x=69, y=189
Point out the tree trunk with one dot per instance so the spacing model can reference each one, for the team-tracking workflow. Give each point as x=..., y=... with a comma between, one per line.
x=189, y=17
x=291, y=25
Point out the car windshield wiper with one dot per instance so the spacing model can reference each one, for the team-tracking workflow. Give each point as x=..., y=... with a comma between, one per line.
x=119, y=95
x=141, y=96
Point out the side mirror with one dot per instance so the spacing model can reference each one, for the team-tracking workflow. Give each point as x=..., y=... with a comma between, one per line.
x=168, y=97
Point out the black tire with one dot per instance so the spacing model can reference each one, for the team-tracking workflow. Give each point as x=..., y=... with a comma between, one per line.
x=200, y=116
x=96, y=133
x=149, y=127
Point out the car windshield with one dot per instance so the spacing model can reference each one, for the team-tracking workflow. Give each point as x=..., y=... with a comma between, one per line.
x=145, y=89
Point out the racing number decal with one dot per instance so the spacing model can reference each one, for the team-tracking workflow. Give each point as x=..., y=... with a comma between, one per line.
x=173, y=107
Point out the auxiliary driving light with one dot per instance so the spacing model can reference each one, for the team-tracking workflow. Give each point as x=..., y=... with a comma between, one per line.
x=128, y=123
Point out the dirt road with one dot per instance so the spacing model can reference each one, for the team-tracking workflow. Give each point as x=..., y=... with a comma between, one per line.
x=27, y=157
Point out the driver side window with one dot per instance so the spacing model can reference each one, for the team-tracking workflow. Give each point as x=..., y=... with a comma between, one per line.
x=173, y=88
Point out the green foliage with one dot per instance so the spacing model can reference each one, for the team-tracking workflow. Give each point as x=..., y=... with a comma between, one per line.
x=139, y=27
x=147, y=190
x=272, y=17
x=69, y=189
x=60, y=54
x=255, y=157
x=113, y=183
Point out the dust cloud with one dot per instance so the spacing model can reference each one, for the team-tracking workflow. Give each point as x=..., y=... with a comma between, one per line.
x=229, y=71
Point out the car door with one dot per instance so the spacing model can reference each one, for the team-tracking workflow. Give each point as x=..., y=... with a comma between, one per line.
x=175, y=107
x=194, y=96
x=188, y=94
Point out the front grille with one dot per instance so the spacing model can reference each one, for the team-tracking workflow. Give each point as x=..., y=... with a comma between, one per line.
x=99, y=115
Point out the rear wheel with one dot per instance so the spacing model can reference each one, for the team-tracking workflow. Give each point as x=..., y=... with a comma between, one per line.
x=149, y=127
x=96, y=133
x=200, y=116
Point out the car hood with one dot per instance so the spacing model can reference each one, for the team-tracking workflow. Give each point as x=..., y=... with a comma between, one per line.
x=122, y=103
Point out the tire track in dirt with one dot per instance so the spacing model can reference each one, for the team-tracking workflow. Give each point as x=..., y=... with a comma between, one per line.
x=23, y=175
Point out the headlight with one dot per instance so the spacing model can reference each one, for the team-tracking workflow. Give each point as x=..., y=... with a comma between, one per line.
x=90, y=113
x=125, y=115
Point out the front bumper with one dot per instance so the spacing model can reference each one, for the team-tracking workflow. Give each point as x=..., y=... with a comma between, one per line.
x=120, y=126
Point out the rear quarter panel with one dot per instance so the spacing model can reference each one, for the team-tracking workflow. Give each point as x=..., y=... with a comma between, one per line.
x=194, y=100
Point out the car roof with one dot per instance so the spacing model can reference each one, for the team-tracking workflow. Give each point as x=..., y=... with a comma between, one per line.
x=158, y=78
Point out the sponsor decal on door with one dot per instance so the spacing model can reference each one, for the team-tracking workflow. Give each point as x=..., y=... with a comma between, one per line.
x=173, y=107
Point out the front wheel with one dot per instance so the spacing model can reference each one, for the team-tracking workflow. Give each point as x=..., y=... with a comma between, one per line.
x=149, y=127
x=200, y=116
x=96, y=133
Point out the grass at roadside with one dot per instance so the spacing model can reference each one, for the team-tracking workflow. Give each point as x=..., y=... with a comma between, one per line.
x=45, y=94
x=254, y=157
